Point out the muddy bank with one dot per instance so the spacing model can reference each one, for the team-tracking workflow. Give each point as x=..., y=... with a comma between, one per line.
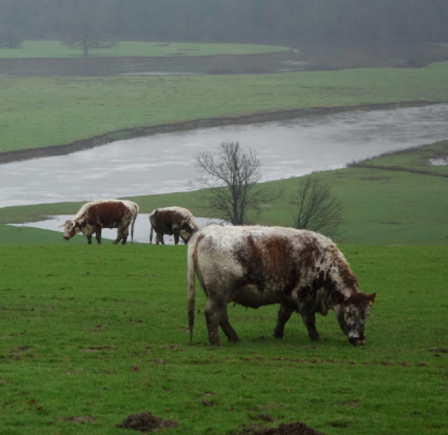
x=57, y=150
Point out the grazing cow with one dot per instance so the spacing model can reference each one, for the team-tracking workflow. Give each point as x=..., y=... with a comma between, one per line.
x=104, y=213
x=254, y=266
x=172, y=220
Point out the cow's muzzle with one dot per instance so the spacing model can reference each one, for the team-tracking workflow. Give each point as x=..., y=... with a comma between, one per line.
x=66, y=237
x=357, y=341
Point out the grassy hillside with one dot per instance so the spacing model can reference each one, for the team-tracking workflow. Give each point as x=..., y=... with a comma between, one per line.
x=44, y=111
x=54, y=49
x=399, y=198
x=96, y=333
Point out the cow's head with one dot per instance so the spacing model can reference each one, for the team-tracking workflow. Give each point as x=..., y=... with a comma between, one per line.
x=186, y=232
x=69, y=229
x=352, y=313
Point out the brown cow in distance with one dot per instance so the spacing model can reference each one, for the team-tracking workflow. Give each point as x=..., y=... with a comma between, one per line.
x=254, y=266
x=172, y=220
x=103, y=213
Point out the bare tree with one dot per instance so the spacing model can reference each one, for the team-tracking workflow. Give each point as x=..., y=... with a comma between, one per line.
x=230, y=179
x=316, y=207
x=86, y=28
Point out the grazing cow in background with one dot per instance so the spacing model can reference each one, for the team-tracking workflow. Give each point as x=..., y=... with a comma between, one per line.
x=254, y=266
x=104, y=213
x=172, y=220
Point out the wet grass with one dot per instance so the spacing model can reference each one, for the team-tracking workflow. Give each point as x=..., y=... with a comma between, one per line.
x=45, y=111
x=92, y=334
x=381, y=206
x=54, y=49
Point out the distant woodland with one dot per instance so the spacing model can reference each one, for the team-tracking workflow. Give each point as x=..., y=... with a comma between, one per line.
x=273, y=21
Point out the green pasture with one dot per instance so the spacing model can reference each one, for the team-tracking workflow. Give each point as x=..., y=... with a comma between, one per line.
x=44, y=111
x=54, y=49
x=385, y=205
x=97, y=333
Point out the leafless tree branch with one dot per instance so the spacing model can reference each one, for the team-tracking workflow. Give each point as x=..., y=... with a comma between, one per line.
x=230, y=181
x=316, y=207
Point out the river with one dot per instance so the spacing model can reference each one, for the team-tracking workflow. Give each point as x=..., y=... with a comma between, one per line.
x=165, y=163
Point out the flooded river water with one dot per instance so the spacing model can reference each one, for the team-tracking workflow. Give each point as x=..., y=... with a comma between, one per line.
x=141, y=228
x=165, y=162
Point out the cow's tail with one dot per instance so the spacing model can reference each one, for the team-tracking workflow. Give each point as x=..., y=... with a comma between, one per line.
x=191, y=259
x=137, y=209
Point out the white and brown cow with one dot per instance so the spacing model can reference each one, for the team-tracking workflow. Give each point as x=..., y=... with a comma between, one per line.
x=172, y=220
x=103, y=213
x=254, y=266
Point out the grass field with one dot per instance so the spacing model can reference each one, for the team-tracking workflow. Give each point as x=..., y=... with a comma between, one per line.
x=54, y=49
x=92, y=334
x=380, y=206
x=96, y=333
x=44, y=111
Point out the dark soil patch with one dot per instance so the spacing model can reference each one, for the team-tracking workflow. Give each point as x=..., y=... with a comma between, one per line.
x=296, y=428
x=439, y=349
x=146, y=422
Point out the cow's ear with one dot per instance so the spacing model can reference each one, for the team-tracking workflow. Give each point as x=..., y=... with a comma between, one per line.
x=371, y=298
x=337, y=297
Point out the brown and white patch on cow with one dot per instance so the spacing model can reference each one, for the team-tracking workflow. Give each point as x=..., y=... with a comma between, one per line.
x=104, y=213
x=177, y=221
x=301, y=270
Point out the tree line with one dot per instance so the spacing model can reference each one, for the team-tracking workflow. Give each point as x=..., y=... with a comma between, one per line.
x=279, y=21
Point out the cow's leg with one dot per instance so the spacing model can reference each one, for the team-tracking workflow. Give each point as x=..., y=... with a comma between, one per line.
x=159, y=238
x=283, y=315
x=89, y=239
x=121, y=236
x=98, y=234
x=212, y=317
x=124, y=236
x=308, y=313
x=216, y=315
x=225, y=325
x=176, y=237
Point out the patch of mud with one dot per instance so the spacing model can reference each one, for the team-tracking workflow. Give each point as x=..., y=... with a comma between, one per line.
x=297, y=428
x=146, y=422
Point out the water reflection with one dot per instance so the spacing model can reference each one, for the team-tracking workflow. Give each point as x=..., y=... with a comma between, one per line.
x=165, y=162
x=141, y=228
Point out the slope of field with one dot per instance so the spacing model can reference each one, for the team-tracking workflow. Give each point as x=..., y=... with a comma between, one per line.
x=48, y=111
x=92, y=334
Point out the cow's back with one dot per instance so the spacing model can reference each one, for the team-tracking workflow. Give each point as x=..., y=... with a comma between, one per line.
x=109, y=213
x=269, y=258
